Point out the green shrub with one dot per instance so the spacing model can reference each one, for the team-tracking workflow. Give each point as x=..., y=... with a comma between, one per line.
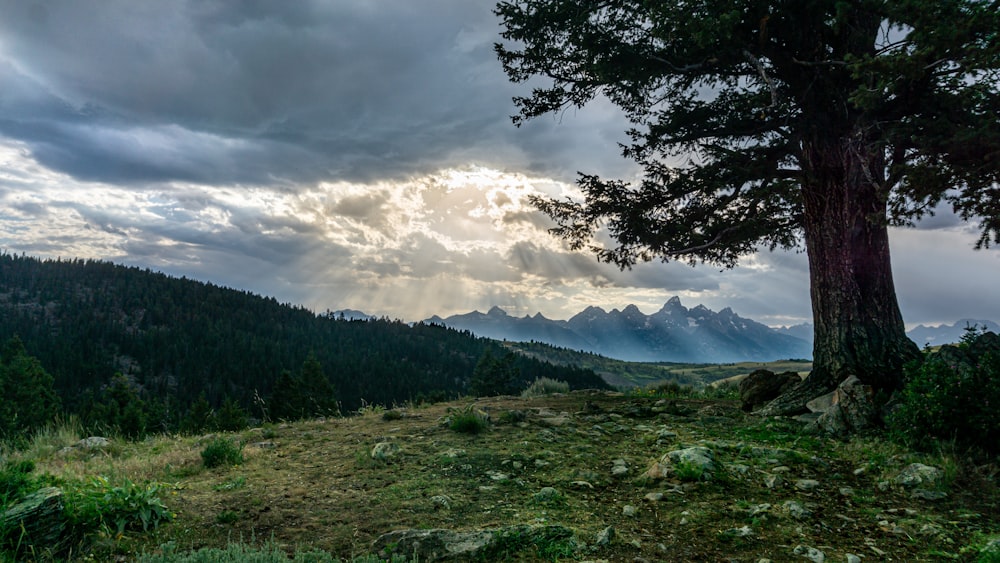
x=468, y=421
x=952, y=395
x=222, y=451
x=545, y=386
x=100, y=505
x=16, y=481
x=392, y=415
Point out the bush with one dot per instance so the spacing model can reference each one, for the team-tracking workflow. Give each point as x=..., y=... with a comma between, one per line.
x=545, y=386
x=221, y=451
x=952, y=395
x=16, y=481
x=468, y=421
x=99, y=505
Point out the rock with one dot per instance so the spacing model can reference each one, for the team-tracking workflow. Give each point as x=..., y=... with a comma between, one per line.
x=917, y=474
x=653, y=497
x=547, y=494
x=441, y=501
x=93, y=442
x=851, y=558
x=762, y=386
x=605, y=536
x=796, y=510
x=852, y=409
x=619, y=468
x=698, y=457
x=772, y=481
x=657, y=471
x=806, y=484
x=433, y=545
x=742, y=532
x=630, y=511
x=810, y=553
x=924, y=494
x=39, y=517
x=385, y=451
x=822, y=403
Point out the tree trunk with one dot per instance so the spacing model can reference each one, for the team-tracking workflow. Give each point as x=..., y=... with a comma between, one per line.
x=858, y=328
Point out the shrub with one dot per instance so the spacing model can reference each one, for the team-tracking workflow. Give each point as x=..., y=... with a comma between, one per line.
x=952, y=395
x=221, y=451
x=468, y=421
x=99, y=505
x=16, y=481
x=545, y=386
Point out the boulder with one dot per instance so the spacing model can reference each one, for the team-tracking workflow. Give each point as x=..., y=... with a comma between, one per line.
x=852, y=408
x=762, y=386
x=39, y=517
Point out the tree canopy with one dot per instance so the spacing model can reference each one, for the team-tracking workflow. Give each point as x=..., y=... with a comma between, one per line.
x=777, y=125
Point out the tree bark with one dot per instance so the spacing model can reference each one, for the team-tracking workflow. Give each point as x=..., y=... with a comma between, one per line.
x=858, y=328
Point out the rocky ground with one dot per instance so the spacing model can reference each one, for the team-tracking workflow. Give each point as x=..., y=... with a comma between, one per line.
x=583, y=476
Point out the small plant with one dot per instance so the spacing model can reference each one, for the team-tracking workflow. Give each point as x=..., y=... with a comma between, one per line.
x=689, y=471
x=227, y=517
x=392, y=414
x=232, y=484
x=222, y=452
x=468, y=421
x=544, y=386
x=100, y=505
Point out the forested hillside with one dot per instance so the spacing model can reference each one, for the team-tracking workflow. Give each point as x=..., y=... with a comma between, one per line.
x=174, y=341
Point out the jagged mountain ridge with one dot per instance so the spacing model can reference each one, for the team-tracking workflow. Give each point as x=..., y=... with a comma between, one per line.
x=672, y=334
x=921, y=334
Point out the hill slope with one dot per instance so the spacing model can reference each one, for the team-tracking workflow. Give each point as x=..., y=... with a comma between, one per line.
x=574, y=463
x=174, y=339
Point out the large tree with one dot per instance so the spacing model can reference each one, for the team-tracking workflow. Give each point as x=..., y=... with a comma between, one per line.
x=815, y=123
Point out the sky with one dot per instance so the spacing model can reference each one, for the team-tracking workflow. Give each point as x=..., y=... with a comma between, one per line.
x=352, y=154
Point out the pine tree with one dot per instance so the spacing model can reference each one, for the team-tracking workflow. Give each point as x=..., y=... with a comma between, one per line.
x=318, y=393
x=29, y=401
x=778, y=125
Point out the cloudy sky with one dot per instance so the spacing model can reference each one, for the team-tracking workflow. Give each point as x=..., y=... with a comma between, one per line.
x=350, y=154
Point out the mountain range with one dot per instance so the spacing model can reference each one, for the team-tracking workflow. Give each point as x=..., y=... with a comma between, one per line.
x=672, y=334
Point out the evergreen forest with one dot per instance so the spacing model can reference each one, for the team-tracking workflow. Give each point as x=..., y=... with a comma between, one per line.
x=135, y=351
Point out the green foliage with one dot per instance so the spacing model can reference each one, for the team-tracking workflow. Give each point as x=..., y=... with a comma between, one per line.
x=467, y=421
x=689, y=471
x=187, y=339
x=494, y=376
x=222, y=452
x=231, y=416
x=98, y=504
x=952, y=395
x=548, y=543
x=391, y=415
x=16, y=481
x=200, y=417
x=231, y=485
x=119, y=407
x=29, y=400
x=544, y=386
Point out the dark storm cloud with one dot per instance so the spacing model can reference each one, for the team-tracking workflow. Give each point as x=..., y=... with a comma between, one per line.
x=257, y=92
